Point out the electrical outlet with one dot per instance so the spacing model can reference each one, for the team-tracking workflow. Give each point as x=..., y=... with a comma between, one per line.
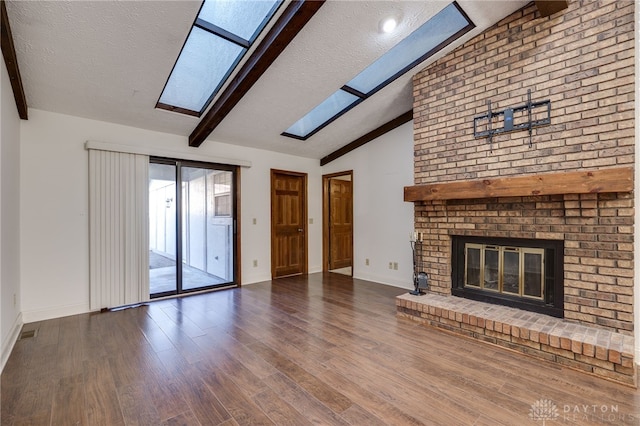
x=15, y=300
x=366, y=261
x=310, y=221
x=255, y=263
x=390, y=265
x=395, y=266
x=255, y=220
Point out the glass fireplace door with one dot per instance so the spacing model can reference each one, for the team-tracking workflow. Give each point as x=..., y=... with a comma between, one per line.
x=517, y=271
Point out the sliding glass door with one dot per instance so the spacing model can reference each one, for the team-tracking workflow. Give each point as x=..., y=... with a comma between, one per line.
x=163, y=271
x=196, y=202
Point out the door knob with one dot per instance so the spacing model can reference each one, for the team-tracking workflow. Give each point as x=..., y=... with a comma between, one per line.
x=300, y=229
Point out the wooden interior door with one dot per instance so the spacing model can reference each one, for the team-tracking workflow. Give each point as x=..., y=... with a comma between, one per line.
x=288, y=223
x=340, y=223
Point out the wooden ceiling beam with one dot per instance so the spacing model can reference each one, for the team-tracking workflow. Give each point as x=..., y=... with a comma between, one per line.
x=288, y=25
x=549, y=7
x=11, y=61
x=619, y=179
x=376, y=133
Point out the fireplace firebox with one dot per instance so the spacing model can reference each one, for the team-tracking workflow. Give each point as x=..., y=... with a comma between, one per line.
x=522, y=273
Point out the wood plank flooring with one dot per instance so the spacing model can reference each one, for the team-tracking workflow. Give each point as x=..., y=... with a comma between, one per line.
x=321, y=349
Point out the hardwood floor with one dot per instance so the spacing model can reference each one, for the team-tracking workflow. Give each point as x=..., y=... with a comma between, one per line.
x=322, y=349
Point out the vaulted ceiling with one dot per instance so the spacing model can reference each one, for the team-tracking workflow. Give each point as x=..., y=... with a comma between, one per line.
x=109, y=60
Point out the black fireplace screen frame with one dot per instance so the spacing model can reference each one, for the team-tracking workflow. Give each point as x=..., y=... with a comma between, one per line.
x=553, y=303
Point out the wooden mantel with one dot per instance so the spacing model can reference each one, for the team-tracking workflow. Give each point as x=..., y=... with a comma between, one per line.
x=619, y=179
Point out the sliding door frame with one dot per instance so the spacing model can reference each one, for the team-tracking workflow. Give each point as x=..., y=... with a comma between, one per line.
x=235, y=216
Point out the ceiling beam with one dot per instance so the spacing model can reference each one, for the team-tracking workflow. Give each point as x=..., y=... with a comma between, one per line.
x=549, y=7
x=288, y=25
x=386, y=127
x=11, y=61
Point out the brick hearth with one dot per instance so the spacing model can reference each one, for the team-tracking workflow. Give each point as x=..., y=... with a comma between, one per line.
x=598, y=351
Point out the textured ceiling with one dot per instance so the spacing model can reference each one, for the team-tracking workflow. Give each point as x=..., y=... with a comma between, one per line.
x=109, y=60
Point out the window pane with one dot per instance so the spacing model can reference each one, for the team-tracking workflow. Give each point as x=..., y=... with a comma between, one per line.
x=223, y=205
x=433, y=32
x=203, y=65
x=207, y=253
x=162, y=228
x=328, y=109
x=511, y=272
x=221, y=184
x=491, y=269
x=242, y=18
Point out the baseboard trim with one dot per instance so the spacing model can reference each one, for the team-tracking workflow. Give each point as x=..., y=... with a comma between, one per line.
x=383, y=280
x=56, y=312
x=246, y=280
x=10, y=341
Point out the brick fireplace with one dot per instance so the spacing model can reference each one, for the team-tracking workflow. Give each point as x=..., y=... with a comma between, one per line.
x=572, y=184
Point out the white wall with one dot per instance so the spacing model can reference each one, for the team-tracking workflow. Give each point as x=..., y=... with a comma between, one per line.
x=10, y=317
x=54, y=204
x=382, y=220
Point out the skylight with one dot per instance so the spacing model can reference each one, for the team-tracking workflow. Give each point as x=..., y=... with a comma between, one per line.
x=441, y=30
x=340, y=100
x=223, y=32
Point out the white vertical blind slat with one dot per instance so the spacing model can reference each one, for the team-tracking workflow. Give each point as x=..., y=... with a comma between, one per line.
x=118, y=211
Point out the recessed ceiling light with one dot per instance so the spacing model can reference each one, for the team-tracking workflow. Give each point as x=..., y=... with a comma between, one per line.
x=389, y=24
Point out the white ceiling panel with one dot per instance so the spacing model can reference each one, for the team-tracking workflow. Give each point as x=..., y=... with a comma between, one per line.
x=109, y=60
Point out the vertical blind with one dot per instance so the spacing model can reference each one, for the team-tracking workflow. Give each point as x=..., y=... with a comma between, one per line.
x=118, y=228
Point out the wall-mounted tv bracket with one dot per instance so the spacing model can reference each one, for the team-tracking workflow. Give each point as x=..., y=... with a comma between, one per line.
x=508, y=121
